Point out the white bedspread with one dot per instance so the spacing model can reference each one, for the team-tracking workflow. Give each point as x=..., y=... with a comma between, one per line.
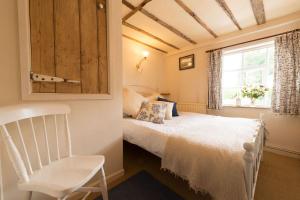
x=203, y=149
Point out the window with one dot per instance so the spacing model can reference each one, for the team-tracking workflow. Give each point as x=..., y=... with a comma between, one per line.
x=247, y=67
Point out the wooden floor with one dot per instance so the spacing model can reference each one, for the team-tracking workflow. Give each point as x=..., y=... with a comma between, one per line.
x=279, y=176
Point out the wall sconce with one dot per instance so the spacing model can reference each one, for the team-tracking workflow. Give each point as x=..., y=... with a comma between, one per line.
x=139, y=65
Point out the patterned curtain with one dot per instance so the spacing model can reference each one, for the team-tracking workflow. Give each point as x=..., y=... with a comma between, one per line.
x=214, y=80
x=286, y=91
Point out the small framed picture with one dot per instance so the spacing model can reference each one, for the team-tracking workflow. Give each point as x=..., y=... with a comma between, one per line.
x=186, y=62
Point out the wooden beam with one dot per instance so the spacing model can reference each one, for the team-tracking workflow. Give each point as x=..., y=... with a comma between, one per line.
x=259, y=11
x=132, y=12
x=190, y=12
x=153, y=17
x=148, y=34
x=228, y=12
x=143, y=43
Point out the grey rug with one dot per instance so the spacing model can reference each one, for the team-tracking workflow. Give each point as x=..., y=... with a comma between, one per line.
x=142, y=186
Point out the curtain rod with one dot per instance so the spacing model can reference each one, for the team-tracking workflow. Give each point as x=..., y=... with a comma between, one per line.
x=252, y=40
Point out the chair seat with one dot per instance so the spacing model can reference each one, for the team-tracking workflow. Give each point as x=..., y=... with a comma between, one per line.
x=64, y=176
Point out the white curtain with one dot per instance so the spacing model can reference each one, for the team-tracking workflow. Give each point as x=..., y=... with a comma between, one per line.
x=286, y=90
x=214, y=80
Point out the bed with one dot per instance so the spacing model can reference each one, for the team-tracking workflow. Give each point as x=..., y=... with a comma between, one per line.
x=220, y=155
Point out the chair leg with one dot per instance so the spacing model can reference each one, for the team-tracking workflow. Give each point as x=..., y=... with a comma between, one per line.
x=30, y=195
x=103, y=184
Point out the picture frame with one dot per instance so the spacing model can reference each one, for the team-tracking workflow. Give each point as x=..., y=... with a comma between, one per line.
x=187, y=62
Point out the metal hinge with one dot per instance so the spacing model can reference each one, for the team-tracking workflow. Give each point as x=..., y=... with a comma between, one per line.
x=51, y=79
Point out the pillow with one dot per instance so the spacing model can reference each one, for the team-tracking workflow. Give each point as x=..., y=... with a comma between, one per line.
x=169, y=110
x=132, y=102
x=174, y=111
x=153, y=112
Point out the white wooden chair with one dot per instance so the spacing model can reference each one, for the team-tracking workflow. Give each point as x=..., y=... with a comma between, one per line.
x=59, y=177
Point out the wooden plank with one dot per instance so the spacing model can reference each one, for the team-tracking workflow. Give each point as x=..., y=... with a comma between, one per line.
x=191, y=13
x=102, y=48
x=42, y=42
x=259, y=11
x=149, y=34
x=156, y=19
x=67, y=44
x=89, y=46
x=132, y=12
x=143, y=43
x=228, y=12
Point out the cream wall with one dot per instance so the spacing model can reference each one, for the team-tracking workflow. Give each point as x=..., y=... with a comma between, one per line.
x=153, y=67
x=191, y=85
x=95, y=124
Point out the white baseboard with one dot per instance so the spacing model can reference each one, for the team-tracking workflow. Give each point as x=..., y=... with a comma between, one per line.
x=114, y=176
x=282, y=151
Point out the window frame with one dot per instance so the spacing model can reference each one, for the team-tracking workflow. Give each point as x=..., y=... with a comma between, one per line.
x=243, y=50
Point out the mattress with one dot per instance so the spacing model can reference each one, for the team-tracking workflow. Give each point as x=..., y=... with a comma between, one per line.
x=153, y=137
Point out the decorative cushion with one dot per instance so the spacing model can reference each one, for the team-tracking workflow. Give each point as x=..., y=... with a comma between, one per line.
x=132, y=102
x=153, y=112
x=174, y=111
x=169, y=111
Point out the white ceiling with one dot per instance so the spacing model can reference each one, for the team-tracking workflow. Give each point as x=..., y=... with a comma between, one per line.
x=208, y=11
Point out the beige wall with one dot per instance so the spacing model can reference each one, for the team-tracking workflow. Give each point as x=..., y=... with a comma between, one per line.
x=191, y=86
x=95, y=124
x=152, y=74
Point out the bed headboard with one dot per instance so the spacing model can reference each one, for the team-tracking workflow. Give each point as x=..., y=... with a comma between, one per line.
x=192, y=107
x=181, y=106
x=144, y=90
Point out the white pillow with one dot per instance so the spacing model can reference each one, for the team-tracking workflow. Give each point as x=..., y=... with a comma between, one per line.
x=132, y=102
x=169, y=110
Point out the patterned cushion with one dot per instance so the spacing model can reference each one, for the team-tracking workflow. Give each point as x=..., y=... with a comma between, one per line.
x=153, y=112
x=174, y=111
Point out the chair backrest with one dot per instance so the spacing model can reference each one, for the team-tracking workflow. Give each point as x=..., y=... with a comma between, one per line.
x=13, y=115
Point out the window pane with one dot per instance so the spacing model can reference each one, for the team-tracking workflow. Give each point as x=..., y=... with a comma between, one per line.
x=232, y=62
x=253, y=77
x=229, y=95
x=255, y=58
x=271, y=56
x=231, y=79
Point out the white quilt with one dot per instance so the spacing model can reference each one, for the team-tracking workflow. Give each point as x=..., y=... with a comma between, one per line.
x=203, y=149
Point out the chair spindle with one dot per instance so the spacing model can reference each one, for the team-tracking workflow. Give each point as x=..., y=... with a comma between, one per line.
x=24, y=147
x=56, y=136
x=46, y=138
x=68, y=135
x=36, y=144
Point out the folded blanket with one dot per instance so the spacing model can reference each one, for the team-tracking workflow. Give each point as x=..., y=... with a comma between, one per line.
x=208, y=153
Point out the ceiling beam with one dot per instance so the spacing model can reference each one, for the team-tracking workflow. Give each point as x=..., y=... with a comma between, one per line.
x=156, y=19
x=191, y=13
x=132, y=12
x=228, y=12
x=259, y=11
x=143, y=43
x=149, y=34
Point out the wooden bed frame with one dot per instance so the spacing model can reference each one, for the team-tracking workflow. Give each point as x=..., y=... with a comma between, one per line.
x=253, y=150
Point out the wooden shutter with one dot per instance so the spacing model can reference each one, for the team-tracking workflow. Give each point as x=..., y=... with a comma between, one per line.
x=69, y=40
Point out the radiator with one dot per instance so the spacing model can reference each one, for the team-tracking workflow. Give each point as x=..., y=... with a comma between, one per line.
x=192, y=107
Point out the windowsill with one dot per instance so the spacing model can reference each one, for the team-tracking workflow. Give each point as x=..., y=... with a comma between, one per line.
x=247, y=106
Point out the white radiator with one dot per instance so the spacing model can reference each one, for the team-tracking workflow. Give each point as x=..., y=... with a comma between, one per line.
x=192, y=107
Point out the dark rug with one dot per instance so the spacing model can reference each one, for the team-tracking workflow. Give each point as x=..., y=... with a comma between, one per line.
x=142, y=186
